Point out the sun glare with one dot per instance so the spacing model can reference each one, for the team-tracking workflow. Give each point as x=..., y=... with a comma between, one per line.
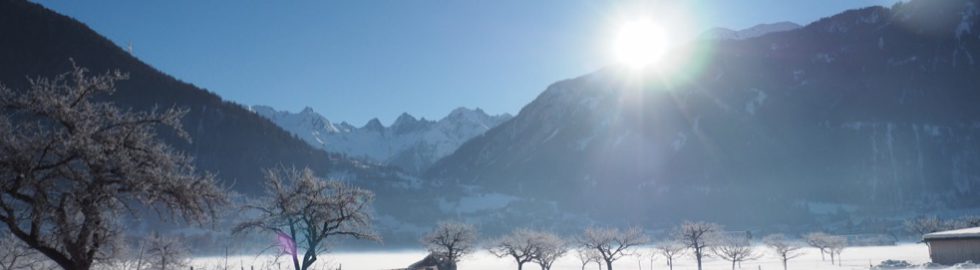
x=640, y=44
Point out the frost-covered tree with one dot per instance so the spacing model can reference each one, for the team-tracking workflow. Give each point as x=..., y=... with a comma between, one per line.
x=451, y=240
x=639, y=259
x=305, y=211
x=820, y=241
x=970, y=221
x=126, y=258
x=548, y=247
x=670, y=250
x=519, y=245
x=783, y=248
x=587, y=256
x=735, y=248
x=922, y=225
x=164, y=253
x=835, y=245
x=697, y=236
x=72, y=164
x=611, y=243
x=954, y=224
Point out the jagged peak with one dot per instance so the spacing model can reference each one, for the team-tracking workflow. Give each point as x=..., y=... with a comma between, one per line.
x=307, y=110
x=404, y=118
x=374, y=125
x=407, y=123
x=461, y=111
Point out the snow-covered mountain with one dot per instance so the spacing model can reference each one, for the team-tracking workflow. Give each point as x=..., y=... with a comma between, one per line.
x=409, y=143
x=751, y=32
x=853, y=119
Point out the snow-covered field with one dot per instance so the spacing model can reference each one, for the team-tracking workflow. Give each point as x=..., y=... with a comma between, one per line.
x=854, y=258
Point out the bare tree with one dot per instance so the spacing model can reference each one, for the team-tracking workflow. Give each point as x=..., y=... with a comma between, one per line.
x=639, y=259
x=587, y=256
x=71, y=164
x=697, y=236
x=735, y=248
x=670, y=250
x=836, y=245
x=954, y=224
x=818, y=240
x=452, y=240
x=519, y=244
x=126, y=258
x=165, y=253
x=923, y=225
x=547, y=249
x=613, y=244
x=783, y=248
x=971, y=221
x=306, y=210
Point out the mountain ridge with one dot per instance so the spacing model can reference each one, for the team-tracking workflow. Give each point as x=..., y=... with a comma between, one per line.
x=751, y=32
x=408, y=143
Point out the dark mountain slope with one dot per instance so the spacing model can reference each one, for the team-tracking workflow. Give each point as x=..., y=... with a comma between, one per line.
x=227, y=138
x=868, y=112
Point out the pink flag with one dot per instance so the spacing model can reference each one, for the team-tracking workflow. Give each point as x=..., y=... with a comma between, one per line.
x=286, y=243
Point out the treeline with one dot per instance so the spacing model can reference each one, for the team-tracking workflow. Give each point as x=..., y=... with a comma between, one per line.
x=451, y=241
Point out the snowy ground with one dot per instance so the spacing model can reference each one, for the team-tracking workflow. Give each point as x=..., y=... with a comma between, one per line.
x=854, y=258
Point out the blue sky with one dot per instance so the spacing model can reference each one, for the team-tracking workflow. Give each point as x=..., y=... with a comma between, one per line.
x=355, y=60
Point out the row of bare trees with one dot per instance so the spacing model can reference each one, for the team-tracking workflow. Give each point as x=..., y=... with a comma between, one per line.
x=603, y=246
x=919, y=226
x=827, y=244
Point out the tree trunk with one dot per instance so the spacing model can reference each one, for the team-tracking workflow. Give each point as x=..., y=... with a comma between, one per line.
x=784, y=263
x=609, y=265
x=670, y=263
x=520, y=265
x=698, y=258
x=139, y=259
x=295, y=261
x=295, y=248
x=733, y=264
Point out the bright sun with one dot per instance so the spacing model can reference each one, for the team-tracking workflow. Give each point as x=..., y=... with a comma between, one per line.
x=639, y=44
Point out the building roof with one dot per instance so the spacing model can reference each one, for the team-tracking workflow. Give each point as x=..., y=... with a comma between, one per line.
x=954, y=234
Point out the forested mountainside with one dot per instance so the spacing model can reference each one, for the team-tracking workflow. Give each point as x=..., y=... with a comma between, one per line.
x=868, y=111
